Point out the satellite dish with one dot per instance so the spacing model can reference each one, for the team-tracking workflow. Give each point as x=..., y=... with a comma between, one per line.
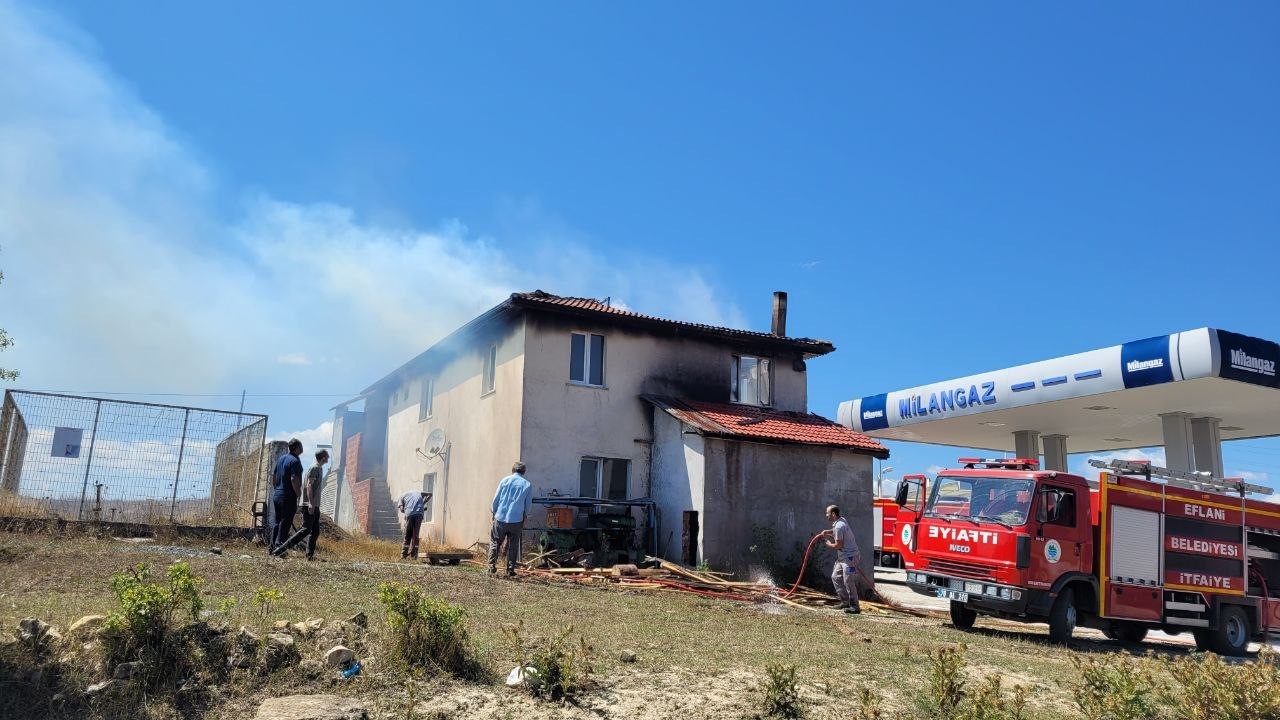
x=435, y=443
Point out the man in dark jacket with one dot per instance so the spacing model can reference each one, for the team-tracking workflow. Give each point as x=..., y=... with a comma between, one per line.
x=310, y=509
x=286, y=483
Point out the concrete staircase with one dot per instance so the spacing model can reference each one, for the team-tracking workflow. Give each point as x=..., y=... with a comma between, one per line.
x=384, y=520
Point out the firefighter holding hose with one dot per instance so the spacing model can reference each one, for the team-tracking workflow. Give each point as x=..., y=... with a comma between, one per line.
x=845, y=574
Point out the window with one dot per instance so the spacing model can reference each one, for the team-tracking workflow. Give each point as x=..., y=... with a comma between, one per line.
x=1000, y=500
x=428, y=397
x=604, y=478
x=751, y=380
x=428, y=486
x=1065, y=501
x=586, y=359
x=490, y=370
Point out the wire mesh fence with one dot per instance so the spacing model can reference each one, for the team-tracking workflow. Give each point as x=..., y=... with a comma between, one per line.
x=91, y=459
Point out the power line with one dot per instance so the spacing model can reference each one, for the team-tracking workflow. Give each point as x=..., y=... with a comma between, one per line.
x=206, y=395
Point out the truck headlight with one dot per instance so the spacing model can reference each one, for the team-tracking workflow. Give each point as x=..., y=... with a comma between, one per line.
x=1004, y=593
x=991, y=590
x=1017, y=594
x=973, y=588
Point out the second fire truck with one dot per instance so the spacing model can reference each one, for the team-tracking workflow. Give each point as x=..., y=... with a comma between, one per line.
x=1145, y=548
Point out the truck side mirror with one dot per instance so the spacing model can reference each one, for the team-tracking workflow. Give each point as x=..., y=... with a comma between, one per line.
x=900, y=497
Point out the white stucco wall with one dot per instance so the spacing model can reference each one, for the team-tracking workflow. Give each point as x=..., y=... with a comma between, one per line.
x=565, y=422
x=677, y=481
x=483, y=432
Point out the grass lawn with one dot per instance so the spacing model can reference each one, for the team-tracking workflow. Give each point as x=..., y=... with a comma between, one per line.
x=695, y=657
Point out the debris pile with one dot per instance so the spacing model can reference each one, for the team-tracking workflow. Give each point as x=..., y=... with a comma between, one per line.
x=670, y=577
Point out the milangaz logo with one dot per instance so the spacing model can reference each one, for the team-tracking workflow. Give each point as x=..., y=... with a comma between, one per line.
x=1139, y=365
x=872, y=414
x=1241, y=360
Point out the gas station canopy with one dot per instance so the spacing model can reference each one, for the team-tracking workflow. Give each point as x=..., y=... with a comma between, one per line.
x=1120, y=397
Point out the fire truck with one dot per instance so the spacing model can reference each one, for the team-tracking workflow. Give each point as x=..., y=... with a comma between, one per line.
x=888, y=545
x=1144, y=548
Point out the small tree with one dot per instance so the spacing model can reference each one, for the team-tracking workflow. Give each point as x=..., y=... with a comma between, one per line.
x=5, y=342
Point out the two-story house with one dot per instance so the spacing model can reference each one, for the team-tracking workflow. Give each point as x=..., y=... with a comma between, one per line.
x=599, y=401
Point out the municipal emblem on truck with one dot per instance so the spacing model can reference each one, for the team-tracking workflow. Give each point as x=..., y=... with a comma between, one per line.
x=1052, y=551
x=906, y=535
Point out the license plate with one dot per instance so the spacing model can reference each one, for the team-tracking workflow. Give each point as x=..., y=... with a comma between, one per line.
x=953, y=595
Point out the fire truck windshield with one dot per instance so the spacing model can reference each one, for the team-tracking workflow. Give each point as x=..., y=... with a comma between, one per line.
x=998, y=500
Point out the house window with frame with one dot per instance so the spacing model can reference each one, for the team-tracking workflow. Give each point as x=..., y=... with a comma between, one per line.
x=428, y=486
x=751, y=380
x=428, y=398
x=604, y=478
x=586, y=359
x=489, y=378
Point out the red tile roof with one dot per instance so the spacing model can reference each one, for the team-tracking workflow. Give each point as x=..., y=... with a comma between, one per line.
x=592, y=307
x=748, y=422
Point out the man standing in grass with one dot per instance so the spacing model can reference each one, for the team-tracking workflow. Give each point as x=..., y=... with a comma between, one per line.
x=310, y=509
x=414, y=506
x=286, y=486
x=510, y=506
x=845, y=574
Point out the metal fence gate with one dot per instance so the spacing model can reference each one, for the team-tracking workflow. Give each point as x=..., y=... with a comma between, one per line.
x=91, y=459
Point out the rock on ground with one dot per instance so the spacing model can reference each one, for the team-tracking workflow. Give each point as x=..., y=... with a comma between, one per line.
x=280, y=651
x=312, y=707
x=36, y=630
x=99, y=688
x=86, y=625
x=339, y=656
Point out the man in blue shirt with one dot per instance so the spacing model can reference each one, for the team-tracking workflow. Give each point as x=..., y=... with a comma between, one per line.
x=510, y=506
x=286, y=484
x=414, y=507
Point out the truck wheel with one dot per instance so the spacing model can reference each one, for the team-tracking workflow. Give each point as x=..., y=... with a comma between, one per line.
x=1232, y=635
x=1128, y=632
x=1062, y=617
x=1204, y=642
x=962, y=617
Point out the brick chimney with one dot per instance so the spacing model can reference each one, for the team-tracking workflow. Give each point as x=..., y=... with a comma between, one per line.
x=779, y=314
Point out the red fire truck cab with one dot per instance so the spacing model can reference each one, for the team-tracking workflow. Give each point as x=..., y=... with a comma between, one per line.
x=1146, y=548
x=888, y=540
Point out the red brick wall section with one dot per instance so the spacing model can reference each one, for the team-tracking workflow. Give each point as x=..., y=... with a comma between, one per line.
x=360, y=498
x=351, y=460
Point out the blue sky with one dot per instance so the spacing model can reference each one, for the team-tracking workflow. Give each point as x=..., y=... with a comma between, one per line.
x=208, y=200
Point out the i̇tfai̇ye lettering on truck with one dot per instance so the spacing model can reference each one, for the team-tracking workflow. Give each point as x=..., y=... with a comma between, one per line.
x=1146, y=548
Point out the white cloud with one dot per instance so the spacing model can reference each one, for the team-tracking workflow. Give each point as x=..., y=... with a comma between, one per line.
x=934, y=469
x=1249, y=475
x=293, y=359
x=1079, y=464
x=311, y=438
x=133, y=275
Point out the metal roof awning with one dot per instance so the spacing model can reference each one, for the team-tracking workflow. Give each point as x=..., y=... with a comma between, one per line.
x=1107, y=399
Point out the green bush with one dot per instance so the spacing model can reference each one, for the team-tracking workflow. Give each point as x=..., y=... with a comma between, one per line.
x=1113, y=688
x=951, y=696
x=143, y=625
x=556, y=669
x=946, y=682
x=868, y=705
x=265, y=599
x=781, y=693
x=1207, y=688
x=988, y=702
x=426, y=631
